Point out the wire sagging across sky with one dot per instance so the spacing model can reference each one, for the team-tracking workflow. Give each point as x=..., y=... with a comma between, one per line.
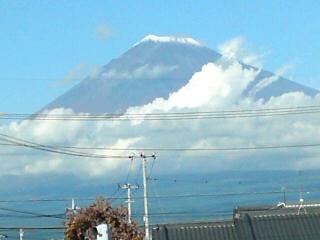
x=10, y=141
x=28, y=144
x=162, y=116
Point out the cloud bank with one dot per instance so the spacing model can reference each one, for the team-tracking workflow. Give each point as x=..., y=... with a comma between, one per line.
x=214, y=88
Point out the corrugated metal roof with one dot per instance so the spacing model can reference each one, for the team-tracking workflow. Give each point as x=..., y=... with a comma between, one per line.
x=203, y=231
x=256, y=223
x=287, y=227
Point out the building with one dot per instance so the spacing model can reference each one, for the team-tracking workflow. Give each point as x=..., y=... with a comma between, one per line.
x=281, y=222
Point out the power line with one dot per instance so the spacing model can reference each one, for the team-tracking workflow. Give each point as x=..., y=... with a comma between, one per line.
x=165, y=149
x=307, y=107
x=212, y=148
x=33, y=228
x=32, y=213
x=190, y=195
x=154, y=214
x=130, y=169
x=139, y=171
x=43, y=200
x=114, y=196
x=37, y=146
x=246, y=113
x=30, y=216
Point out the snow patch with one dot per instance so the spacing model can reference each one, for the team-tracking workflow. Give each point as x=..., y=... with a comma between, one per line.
x=169, y=39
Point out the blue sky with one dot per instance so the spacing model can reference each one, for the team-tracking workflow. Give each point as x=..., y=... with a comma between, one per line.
x=41, y=41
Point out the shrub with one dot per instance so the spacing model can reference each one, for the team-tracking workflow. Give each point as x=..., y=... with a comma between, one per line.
x=82, y=225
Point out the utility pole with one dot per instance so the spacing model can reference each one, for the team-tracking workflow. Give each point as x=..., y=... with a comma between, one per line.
x=145, y=194
x=284, y=194
x=21, y=233
x=129, y=187
x=74, y=210
x=301, y=200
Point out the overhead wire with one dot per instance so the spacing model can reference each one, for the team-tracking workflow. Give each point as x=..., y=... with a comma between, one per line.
x=129, y=170
x=8, y=140
x=242, y=113
x=168, y=196
x=33, y=228
x=59, y=216
x=152, y=167
x=166, y=214
x=30, y=216
x=138, y=174
x=160, y=205
x=155, y=214
x=309, y=107
x=155, y=149
x=28, y=144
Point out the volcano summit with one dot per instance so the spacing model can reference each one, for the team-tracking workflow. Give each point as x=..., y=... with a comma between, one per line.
x=155, y=67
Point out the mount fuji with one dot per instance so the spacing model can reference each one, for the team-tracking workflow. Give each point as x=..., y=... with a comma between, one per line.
x=155, y=67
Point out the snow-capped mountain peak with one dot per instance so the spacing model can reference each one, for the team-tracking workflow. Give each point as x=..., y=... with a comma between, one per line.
x=159, y=70
x=169, y=39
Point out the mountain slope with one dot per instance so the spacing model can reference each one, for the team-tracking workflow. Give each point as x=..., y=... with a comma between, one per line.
x=155, y=67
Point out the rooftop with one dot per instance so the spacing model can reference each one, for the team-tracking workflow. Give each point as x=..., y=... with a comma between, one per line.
x=285, y=222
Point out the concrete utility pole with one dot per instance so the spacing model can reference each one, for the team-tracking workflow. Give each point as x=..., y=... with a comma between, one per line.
x=284, y=189
x=21, y=233
x=74, y=209
x=145, y=194
x=129, y=187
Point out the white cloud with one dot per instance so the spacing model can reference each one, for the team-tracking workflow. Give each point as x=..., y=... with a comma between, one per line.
x=236, y=49
x=144, y=71
x=75, y=74
x=44, y=166
x=79, y=72
x=284, y=70
x=215, y=87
